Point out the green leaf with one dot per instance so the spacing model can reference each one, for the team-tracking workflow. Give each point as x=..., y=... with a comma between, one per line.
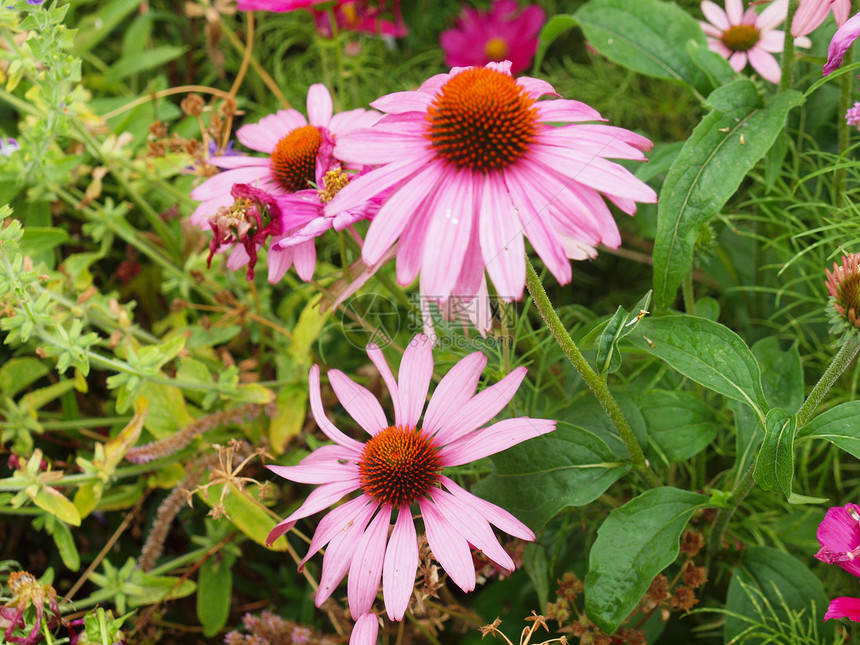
x=96, y=26
x=774, y=467
x=538, y=478
x=38, y=239
x=167, y=410
x=647, y=36
x=18, y=373
x=537, y=567
x=311, y=322
x=65, y=545
x=245, y=512
x=635, y=543
x=551, y=31
x=620, y=325
x=155, y=57
x=840, y=426
x=706, y=352
x=680, y=425
x=722, y=149
x=56, y=504
x=781, y=373
x=767, y=576
x=214, y=589
x=289, y=417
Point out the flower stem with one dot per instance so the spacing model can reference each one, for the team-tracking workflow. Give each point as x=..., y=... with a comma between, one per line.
x=597, y=385
x=843, y=358
x=787, y=63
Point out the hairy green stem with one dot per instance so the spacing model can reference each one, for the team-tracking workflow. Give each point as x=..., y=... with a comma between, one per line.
x=843, y=358
x=787, y=63
x=597, y=385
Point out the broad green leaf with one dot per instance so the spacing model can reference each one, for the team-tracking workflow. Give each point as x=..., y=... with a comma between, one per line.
x=65, y=545
x=781, y=373
x=536, y=565
x=764, y=587
x=38, y=239
x=840, y=426
x=37, y=399
x=245, y=512
x=538, y=478
x=551, y=31
x=679, y=424
x=17, y=373
x=725, y=145
x=155, y=57
x=619, y=325
x=289, y=417
x=310, y=324
x=635, y=543
x=214, y=589
x=774, y=467
x=586, y=412
x=706, y=352
x=167, y=410
x=647, y=36
x=96, y=26
x=52, y=501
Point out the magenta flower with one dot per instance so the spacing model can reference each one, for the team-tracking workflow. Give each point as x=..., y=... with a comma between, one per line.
x=842, y=40
x=399, y=466
x=502, y=33
x=280, y=6
x=474, y=164
x=811, y=13
x=844, y=608
x=294, y=173
x=839, y=536
x=746, y=36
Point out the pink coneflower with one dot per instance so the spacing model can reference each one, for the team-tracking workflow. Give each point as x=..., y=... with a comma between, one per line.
x=502, y=33
x=811, y=13
x=401, y=465
x=280, y=6
x=746, y=36
x=839, y=536
x=294, y=173
x=842, y=40
x=474, y=164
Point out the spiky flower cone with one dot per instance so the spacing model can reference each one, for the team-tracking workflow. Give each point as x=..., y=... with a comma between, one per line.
x=843, y=285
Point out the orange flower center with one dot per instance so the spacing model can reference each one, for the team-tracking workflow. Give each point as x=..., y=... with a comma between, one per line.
x=481, y=120
x=398, y=466
x=496, y=49
x=741, y=38
x=293, y=160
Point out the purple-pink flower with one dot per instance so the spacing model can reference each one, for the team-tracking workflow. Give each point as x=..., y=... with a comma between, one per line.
x=300, y=173
x=852, y=116
x=280, y=6
x=841, y=41
x=474, y=164
x=503, y=33
x=747, y=36
x=400, y=466
x=839, y=536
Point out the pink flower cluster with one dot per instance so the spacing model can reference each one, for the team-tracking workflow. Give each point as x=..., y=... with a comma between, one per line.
x=839, y=536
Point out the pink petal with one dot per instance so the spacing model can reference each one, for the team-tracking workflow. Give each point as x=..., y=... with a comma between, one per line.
x=566, y=110
x=448, y=234
x=738, y=60
x=401, y=562
x=305, y=259
x=279, y=260
x=764, y=64
x=319, y=499
x=536, y=87
x=339, y=553
x=734, y=11
x=772, y=15
x=400, y=102
x=473, y=527
x=496, y=516
x=220, y=184
x=844, y=608
x=842, y=40
x=318, y=473
x=329, y=453
x=841, y=10
x=450, y=549
x=378, y=359
x=715, y=15
x=366, y=567
x=358, y=402
x=239, y=161
x=358, y=119
x=319, y=105
x=320, y=417
x=495, y=438
x=501, y=239
x=376, y=146
x=365, y=630
x=454, y=390
x=480, y=408
x=416, y=370
x=338, y=521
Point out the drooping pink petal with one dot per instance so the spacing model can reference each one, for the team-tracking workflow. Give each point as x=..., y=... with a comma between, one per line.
x=365, y=631
x=401, y=562
x=317, y=473
x=715, y=15
x=319, y=499
x=378, y=359
x=339, y=553
x=320, y=417
x=734, y=11
x=358, y=402
x=773, y=15
x=416, y=370
x=765, y=64
x=473, y=527
x=495, y=515
x=339, y=520
x=841, y=41
x=365, y=570
x=449, y=548
x=844, y=608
